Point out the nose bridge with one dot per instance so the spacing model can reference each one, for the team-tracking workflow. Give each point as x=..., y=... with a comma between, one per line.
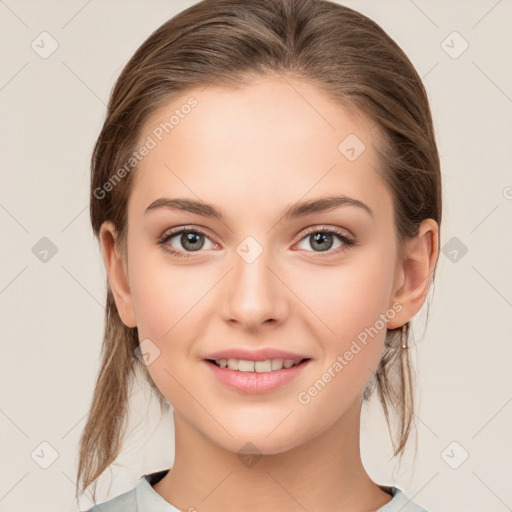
x=254, y=294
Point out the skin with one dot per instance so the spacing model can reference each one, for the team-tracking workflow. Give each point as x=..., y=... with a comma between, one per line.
x=251, y=152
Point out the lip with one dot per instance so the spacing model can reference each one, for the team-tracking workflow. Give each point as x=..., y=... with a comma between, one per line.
x=261, y=354
x=253, y=382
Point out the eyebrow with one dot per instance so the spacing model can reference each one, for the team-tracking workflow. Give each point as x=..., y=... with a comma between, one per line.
x=296, y=210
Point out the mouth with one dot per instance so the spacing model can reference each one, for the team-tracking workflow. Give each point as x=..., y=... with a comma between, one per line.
x=267, y=366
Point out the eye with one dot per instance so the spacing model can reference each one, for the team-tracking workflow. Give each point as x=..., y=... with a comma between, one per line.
x=322, y=240
x=190, y=240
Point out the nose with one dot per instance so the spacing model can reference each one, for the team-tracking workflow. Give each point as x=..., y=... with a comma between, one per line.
x=254, y=295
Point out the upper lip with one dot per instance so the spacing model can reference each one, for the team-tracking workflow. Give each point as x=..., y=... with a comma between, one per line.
x=261, y=354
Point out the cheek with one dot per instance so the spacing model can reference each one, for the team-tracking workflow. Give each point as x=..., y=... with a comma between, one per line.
x=167, y=301
x=351, y=297
x=350, y=314
x=165, y=296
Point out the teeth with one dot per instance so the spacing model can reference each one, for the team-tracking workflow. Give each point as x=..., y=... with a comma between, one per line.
x=269, y=365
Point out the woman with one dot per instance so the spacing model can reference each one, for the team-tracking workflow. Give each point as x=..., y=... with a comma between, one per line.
x=266, y=192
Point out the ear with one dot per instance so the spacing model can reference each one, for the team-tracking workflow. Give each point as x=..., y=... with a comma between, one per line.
x=117, y=274
x=414, y=273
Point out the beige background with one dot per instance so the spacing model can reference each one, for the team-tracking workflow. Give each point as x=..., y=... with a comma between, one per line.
x=52, y=312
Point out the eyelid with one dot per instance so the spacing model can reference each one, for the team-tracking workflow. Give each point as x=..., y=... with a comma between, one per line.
x=186, y=227
x=305, y=232
x=318, y=228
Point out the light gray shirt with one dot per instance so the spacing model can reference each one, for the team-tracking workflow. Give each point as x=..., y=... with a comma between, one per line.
x=143, y=498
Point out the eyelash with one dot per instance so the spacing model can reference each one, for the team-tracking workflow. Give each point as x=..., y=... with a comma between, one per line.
x=348, y=242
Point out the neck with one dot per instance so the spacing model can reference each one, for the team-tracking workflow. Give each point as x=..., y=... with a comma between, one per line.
x=324, y=474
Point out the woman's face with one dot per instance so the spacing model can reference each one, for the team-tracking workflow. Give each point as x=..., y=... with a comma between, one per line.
x=255, y=278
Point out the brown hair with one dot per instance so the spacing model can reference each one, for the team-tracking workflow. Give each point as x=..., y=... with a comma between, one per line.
x=228, y=43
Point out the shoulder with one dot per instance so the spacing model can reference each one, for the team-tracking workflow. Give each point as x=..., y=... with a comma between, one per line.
x=126, y=502
x=142, y=496
x=399, y=502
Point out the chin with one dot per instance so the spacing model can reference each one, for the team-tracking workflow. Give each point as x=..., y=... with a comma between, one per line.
x=246, y=442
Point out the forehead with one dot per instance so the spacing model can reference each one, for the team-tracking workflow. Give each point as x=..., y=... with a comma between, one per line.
x=271, y=142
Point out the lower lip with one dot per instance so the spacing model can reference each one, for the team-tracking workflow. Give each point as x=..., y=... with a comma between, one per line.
x=254, y=382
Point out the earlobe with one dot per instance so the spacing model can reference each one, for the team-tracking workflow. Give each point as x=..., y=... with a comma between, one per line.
x=415, y=273
x=117, y=274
